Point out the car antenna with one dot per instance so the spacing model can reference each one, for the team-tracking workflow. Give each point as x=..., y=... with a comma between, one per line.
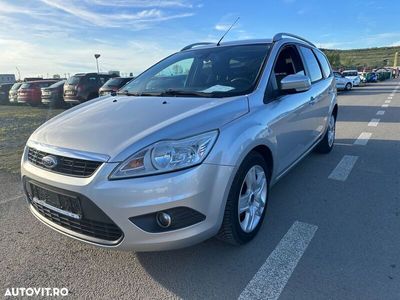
x=237, y=19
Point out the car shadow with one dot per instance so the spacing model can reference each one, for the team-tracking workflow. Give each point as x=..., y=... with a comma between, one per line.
x=207, y=270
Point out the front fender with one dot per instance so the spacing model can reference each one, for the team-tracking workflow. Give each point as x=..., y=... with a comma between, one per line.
x=239, y=138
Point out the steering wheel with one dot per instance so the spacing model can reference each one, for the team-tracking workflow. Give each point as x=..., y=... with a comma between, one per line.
x=241, y=81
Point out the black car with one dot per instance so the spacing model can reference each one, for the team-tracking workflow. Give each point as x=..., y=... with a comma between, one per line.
x=54, y=94
x=113, y=85
x=13, y=93
x=84, y=86
x=4, y=90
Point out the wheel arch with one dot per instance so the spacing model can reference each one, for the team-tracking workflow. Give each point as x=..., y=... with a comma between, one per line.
x=266, y=153
x=335, y=111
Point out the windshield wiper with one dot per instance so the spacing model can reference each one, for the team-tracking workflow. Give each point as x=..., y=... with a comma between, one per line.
x=169, y=92
x=126, y=93
x=183, y=93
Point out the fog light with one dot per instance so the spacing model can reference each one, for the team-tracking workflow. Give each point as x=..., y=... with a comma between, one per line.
x=163, y=219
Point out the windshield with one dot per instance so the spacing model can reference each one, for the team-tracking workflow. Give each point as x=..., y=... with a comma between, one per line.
x=116, y=81
x=16, y=86
x=57, y=84
x=74, y=79
x=214, y=72
x=26, y=85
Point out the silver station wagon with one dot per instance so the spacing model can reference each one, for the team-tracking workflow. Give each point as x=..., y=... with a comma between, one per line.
x=186, y=151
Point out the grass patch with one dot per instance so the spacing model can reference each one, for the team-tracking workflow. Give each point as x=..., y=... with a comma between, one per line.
x=17, y=123
x=360, y=58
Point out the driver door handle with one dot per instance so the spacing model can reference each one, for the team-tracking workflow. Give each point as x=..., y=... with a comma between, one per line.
x=312, y=100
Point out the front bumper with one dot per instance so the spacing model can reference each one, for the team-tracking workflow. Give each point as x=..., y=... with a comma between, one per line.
x=203, y=188
x=72, y=99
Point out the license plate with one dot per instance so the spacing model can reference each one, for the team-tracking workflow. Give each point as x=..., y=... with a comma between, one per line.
x=45, y=93
x=66, y=205
x=69, y=92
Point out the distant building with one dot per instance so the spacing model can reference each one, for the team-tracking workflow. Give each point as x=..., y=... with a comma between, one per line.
x=7, y=78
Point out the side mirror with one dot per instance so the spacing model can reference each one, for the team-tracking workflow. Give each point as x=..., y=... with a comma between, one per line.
x=295, y=82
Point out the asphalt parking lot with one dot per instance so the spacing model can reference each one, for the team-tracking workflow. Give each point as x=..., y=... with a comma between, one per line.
x=331, y=230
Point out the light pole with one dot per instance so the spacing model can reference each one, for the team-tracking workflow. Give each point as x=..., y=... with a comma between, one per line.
x=19, y=74
x=96, y=56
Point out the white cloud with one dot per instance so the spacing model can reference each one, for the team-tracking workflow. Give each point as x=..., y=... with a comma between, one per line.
x=139, y=19
x=226, y=21
x=222, y=27
x=141, y=3
x=395, y=44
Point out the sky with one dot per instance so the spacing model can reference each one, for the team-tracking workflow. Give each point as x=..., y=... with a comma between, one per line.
x=46, y=37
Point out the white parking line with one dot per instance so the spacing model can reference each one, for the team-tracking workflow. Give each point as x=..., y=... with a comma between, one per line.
x=380, y=112
x=11, y=199
x=344, y=167
x=272, y=277
x=388, y=101
x=373, y=122
x=385, y=105
x=363, y=138
x=390, y=98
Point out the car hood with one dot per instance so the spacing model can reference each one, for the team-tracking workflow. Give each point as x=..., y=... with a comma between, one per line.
x=119, y=126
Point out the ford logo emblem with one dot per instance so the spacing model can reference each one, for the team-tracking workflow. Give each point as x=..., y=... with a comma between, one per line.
x=49, y=161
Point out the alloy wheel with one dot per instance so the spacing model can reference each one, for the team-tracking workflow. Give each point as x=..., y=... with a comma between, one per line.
x=252, y=198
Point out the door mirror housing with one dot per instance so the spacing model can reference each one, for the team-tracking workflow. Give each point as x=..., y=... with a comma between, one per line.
x=295, y=83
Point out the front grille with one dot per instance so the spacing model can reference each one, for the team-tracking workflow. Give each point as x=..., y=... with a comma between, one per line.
x=65, y=165
x=93, y=223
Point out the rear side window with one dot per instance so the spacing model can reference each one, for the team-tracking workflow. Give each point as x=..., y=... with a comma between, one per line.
x=103, y=79
x=326, y=69
x=91, y=80
x=312, y=64
x=74, y=80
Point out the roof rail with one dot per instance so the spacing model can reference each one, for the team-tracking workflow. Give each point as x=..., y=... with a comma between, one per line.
x=194, y=45
x=280, y=36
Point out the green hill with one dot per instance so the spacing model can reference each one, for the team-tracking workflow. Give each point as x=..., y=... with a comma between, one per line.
x=360, y=58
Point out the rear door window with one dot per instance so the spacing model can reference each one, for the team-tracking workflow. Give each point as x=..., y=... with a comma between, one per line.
x=91, y=80
x=314, y=70
x=326, y=69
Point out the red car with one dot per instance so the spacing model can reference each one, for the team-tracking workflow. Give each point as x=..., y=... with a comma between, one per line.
x=30, y=92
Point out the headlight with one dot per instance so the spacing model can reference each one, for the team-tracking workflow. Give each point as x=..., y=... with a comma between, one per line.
x=167, y=156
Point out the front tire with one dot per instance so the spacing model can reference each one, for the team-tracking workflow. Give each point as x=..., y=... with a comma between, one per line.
x=247, y=201
x=348, y=86
x=326, y=144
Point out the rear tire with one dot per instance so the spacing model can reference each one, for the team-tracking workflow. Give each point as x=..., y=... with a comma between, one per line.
x=328, y=141
x=247, y=201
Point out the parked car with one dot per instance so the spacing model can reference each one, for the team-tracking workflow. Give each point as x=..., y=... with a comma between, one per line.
x=13, y=93
x=371, y=77
x=30, y=92
x=84, y=86
x=353, y=75
x=54, y=94
x=342, y=82
x=189, y=150
x=113, y=85
x=4, y=91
